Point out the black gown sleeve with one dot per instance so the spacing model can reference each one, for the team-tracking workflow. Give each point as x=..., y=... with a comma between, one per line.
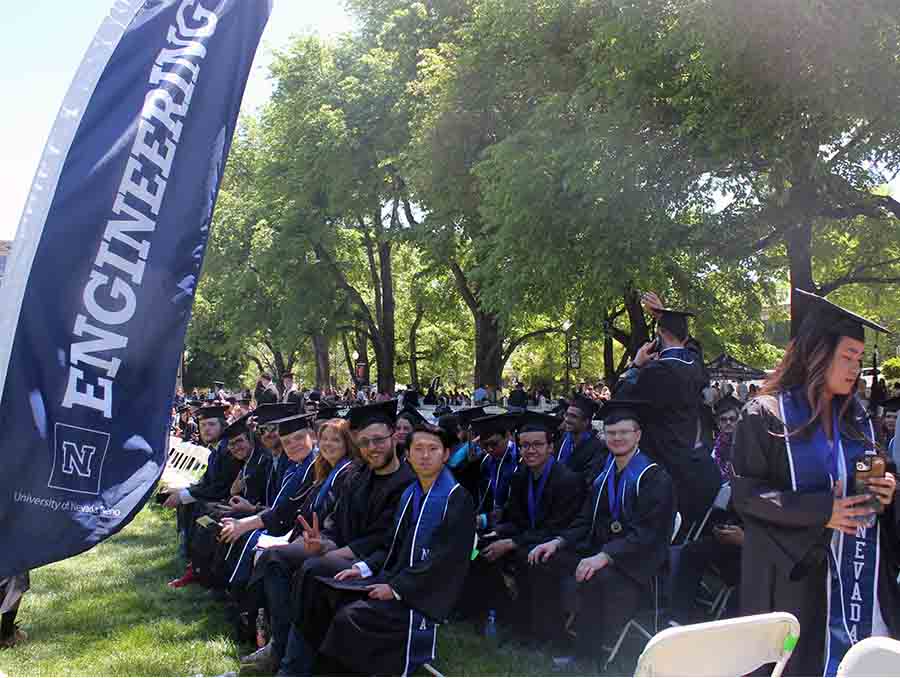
x=760, y=489
x=651, y=524
x=433, y=585
x=578, y=532
x=216, y=486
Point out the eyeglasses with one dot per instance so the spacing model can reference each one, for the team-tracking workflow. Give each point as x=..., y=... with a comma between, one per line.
x=537, y=447
x=728, y=420
x=365, y=443
x=621, y=434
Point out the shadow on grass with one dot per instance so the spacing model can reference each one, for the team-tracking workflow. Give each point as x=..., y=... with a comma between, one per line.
x=109, y=612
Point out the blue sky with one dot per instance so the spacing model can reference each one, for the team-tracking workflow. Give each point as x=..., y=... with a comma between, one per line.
x=43, y=41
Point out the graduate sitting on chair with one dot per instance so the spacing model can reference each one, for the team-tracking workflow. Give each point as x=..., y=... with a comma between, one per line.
x=380, y=616
x=618, y=542
x=544, y=498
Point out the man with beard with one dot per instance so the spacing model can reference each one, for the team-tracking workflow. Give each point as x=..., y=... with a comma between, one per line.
x=387, y=606
x=361, y=523
x=214, y=486
x=581, y=450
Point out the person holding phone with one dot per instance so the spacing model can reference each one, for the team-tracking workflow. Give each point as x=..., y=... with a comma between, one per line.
x=807, y=549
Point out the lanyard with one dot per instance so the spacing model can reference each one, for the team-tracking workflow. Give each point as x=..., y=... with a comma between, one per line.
x=534, y=498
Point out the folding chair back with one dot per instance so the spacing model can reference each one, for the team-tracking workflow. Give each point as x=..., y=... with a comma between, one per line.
x=733, y=647
x=872, y=657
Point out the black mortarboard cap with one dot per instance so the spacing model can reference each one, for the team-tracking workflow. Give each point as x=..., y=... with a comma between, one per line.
x=243, y=401
x=891, y=404
x=585, y=405
x=219, y=384
x=617, y=410
x=728, y=403
x=494, y=423
x=294, y=423
x=825, y=317
x=195, y=403
x=237, y=427
x=183, y=408
x=674, y=321
x=377, y=413
x=530, y=421
x=270, y=412
x=326, y=412
x=467, y=414
x=211, y=412
x=315, y=395
x=412, y=415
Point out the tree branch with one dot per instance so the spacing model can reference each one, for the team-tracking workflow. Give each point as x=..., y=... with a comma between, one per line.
x=463, y=286
x=863, y=133
x=853, y=276
x=518, y=341
x=351, y=291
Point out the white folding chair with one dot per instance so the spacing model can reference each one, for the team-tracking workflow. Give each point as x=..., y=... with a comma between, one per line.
x=732, y=647
x=872, y=657
x=634, y=624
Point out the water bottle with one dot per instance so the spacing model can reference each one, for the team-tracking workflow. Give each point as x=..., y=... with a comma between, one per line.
x=262, y=629
x=490, y=627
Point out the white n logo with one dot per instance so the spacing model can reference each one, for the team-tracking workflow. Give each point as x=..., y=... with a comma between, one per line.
x=77, y=459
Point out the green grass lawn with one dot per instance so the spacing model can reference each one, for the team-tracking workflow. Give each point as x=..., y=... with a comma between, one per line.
x=108, y=612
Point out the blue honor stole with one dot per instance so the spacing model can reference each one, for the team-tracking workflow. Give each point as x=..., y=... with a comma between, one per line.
x=294, y=479
x=499, y=476
x=815, y=465
x=568, y=445
x=428, y=511
x=621, y=501
x=536, y=493
x=329, y=482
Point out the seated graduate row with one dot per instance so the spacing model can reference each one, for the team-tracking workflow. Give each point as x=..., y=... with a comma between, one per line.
x=350, y=534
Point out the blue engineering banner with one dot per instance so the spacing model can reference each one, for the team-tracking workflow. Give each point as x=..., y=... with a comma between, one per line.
x=104, y=268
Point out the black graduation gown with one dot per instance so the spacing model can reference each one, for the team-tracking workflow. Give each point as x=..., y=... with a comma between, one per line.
x=786, y=544
x=370, y=637
x=558, y=506
x=670, y=431
x=640, y=550
x=587, y=459
x=366, y=510
x=255, y=476
x=215, y=483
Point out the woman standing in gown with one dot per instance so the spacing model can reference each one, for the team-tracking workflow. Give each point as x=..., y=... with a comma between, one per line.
x=808, y=550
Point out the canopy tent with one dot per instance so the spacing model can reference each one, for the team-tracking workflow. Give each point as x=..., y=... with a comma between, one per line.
x=729, y=367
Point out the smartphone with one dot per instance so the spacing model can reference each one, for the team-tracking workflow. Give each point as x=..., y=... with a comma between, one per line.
x=869, y=467
x=206, y=521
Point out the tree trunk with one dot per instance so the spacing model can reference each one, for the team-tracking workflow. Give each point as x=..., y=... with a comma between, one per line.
x=413, y=348
x=799, y=250
x=323, y=365
x=362, y=347
x=488, y=350
x=280, y=367
x=348, y=358
x=388, y=350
